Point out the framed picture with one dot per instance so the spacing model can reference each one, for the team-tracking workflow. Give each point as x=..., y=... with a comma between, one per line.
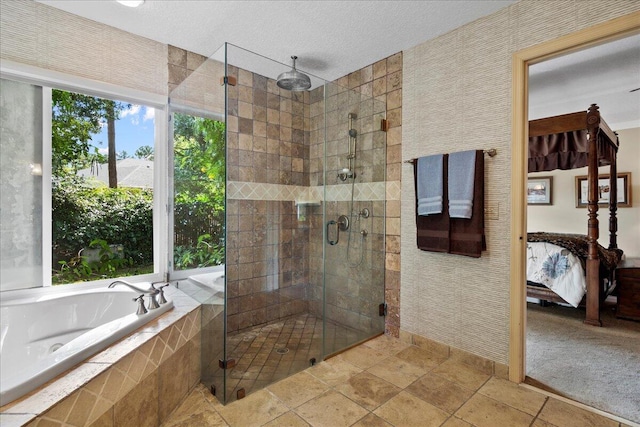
x=539, y=190
x=624, y=190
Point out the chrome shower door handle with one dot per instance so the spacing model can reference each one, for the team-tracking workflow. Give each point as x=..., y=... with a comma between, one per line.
x=333, y=242
x=342, y=224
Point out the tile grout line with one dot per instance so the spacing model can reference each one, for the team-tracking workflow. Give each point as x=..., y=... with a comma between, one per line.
x=546, y=399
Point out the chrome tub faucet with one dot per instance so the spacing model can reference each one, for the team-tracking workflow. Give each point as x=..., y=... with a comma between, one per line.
x=153, y=292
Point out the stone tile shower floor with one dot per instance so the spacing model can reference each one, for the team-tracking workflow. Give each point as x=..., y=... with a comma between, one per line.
x=272, y=352
x=386, y=382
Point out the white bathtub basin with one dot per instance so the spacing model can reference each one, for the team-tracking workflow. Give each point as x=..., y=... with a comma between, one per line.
x=44, y=336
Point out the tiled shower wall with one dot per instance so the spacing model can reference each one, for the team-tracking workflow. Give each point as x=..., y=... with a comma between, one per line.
x=383, y=81
x=276, y=157
x=268, y=162
x=354, y=274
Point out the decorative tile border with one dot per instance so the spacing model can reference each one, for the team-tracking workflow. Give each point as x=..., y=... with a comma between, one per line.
x=376, y=191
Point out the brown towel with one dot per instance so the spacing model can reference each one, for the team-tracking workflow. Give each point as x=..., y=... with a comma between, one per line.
x=467, y=235
x=433, y=230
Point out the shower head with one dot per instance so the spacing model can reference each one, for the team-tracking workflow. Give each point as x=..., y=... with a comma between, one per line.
x=353, y=133
x=293, y=80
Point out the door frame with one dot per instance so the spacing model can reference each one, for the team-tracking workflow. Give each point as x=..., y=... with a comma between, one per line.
x=608, y=31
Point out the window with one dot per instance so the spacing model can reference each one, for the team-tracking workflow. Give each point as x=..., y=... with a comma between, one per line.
x=198, y=192
x=82, y=196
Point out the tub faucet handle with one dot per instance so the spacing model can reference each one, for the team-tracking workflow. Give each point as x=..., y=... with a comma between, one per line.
x=153, y=302
x=161, y=298
x=141, y=308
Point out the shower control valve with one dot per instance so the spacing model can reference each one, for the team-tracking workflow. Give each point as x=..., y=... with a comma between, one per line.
x=346, y=173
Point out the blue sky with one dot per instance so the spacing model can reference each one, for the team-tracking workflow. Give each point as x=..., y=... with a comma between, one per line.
x=134, y=129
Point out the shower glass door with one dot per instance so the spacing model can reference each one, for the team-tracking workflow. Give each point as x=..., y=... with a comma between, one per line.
x=198, y=225
x=272, y=331
x=354, y=159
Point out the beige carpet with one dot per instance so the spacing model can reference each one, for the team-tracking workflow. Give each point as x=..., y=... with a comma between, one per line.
x=596, y=366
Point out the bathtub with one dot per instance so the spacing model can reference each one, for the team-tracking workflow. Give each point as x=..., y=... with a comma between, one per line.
x=41, y=337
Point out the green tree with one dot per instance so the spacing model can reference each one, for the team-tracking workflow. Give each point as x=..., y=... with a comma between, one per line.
x=144, y=152
x=76, y=118
x=199, y=180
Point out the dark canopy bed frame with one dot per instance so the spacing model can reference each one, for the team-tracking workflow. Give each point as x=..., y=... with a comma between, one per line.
x=571, y=141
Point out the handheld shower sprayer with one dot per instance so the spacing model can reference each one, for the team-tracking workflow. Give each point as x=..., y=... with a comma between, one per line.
x=350, y=171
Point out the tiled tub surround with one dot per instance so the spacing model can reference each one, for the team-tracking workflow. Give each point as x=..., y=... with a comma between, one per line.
x=44, y=336
x=137, y=381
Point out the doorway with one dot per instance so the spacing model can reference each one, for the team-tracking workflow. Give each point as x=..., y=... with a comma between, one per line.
x=609, y=31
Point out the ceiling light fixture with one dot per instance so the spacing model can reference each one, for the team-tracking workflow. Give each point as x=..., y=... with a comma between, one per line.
x=131, y=3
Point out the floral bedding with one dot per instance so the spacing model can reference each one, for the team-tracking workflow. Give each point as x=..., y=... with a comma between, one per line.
x=578, y=244
x=558, y=269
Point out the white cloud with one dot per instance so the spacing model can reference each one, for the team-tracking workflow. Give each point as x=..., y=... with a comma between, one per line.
x=104, y=151
x=134, y=112
x=149, y=114
x=131, y=111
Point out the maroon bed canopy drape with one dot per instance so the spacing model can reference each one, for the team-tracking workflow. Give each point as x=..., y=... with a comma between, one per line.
x=567, y=150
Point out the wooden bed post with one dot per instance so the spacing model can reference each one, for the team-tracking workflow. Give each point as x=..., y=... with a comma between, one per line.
x=593, y=261
x=613, y=200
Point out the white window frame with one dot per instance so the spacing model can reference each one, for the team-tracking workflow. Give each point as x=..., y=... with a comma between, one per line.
x=48, y=79
x=174, y=274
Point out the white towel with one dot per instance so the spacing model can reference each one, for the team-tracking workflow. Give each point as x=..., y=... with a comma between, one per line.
x=461, y=174
x=430, y=183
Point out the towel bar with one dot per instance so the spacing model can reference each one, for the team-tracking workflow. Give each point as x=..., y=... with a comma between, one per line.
x=490, y=152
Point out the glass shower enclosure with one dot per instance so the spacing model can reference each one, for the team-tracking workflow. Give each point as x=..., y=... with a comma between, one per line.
x=303, y=273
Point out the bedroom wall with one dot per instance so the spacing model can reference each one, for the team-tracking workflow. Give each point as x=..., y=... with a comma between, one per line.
x=563, y=216
x=457, y=96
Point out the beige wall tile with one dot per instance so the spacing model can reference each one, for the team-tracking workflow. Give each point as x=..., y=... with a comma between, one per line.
x=473, y=360
x=140, y=405
x=462, y=374
x=173, y=381
x=105, y=420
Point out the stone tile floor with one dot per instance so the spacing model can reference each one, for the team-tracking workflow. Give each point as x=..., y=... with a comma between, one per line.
x=269, y=353
x=385, y=382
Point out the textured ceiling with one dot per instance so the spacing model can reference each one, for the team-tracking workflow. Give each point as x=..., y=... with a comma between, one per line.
x=330, y=38
x=335, y=38
x=605, y=75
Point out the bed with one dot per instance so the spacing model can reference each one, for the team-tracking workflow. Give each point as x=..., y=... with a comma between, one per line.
x=572, y=141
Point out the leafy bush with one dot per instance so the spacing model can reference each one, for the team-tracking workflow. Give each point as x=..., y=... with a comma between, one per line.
x=204, y=254
x=83, y=214
x=108, y=263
